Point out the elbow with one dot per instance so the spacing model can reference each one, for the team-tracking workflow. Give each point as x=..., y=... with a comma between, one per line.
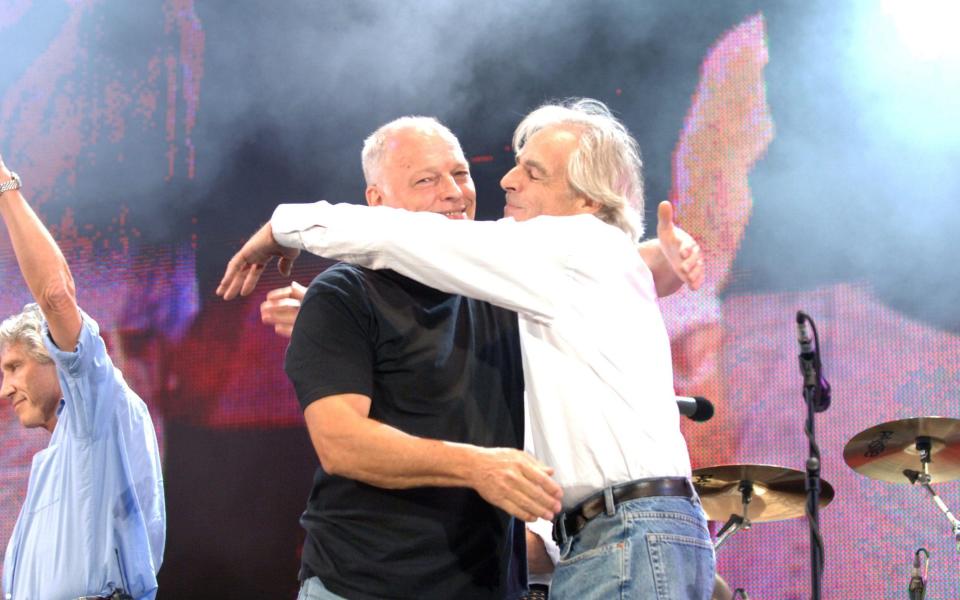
x=58, y=296
x=330, y=462
x=333, y=459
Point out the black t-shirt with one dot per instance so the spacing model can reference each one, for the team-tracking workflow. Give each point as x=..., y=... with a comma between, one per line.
x=437, y=366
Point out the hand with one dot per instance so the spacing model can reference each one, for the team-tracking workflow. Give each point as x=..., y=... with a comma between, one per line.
x=281, y=307
x=682, y=251
x=517, y=483
x=244, y=269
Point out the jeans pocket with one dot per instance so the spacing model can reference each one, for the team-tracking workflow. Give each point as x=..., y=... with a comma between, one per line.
x=595, y=573
x=682, y=566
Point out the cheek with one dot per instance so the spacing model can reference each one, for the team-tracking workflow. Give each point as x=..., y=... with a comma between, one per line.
x=534, y=207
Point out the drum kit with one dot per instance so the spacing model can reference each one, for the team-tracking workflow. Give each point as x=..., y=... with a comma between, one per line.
x=917, y=452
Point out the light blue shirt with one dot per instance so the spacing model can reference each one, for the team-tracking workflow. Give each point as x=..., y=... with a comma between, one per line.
x=94, y=515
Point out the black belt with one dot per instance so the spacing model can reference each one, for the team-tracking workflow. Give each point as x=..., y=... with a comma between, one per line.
x=118, y=594
x=568, y=524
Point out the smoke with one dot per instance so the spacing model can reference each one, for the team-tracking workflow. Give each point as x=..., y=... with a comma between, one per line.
x=855, y=186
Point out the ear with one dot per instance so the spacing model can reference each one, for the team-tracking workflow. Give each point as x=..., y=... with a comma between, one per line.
x=587, y=205
x=374, y=196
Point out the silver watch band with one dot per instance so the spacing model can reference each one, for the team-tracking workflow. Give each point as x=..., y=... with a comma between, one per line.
x=13, y=183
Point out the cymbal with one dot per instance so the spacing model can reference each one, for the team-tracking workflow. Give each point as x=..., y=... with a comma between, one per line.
x=884, y=451
x=778, y=492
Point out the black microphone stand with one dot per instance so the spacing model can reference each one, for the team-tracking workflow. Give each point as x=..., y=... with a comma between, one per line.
x=817, y=398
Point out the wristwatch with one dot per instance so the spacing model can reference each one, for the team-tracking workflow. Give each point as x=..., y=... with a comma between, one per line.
x=13, y=184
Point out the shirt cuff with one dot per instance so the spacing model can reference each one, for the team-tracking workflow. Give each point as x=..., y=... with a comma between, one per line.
x=544, y=530
x=290, y=220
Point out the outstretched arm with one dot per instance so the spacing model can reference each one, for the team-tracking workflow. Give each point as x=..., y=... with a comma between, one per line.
x=504, y=263
x=42, y=265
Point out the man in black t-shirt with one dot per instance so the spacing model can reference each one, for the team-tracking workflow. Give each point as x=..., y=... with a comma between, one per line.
x=414, y=403
x=375, y=359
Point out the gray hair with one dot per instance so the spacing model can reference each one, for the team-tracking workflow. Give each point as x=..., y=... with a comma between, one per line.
x=606, y=165
x=375, y=145
x=26, y=328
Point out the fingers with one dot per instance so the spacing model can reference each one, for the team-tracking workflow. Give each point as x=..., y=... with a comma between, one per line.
x=520, y=485
x=691, y=267
x=233, y=278
x=297, y=291
x=251, y=279
x=244, y=269
x=282, y=311
x=281, y=307
x=279, y=293
x=696, y=275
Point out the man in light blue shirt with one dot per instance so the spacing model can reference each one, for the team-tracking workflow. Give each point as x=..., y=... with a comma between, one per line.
x=93, y=522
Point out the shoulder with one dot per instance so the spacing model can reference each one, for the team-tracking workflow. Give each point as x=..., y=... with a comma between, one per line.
x=340, y=279
x=339, y=291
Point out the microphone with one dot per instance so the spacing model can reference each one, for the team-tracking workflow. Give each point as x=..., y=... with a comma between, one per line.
x=696, y=408
x=810, y=366
x=917, y=588
x=807, y=356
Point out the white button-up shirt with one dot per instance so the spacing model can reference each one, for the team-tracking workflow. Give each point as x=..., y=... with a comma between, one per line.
x=596, y=356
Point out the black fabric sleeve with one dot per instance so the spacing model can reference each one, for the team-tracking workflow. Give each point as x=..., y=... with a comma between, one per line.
x=331, y=348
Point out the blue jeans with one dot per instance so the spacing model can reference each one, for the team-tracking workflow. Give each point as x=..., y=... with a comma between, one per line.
x=313, y=589
x=655, y=548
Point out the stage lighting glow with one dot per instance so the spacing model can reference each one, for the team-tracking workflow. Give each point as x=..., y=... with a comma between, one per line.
x=925, y=28
x=903, y=66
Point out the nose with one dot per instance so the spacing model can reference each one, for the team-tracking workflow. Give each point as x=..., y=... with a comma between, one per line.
x=450, y=189
x=6, y=388
x=509, y=181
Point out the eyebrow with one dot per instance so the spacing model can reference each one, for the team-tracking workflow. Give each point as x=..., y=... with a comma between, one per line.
x=533, y=164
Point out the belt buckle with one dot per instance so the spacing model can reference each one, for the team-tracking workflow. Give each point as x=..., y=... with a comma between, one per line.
x=560, y=529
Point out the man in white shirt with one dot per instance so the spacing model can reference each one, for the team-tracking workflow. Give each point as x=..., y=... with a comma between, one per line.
x=596, y=355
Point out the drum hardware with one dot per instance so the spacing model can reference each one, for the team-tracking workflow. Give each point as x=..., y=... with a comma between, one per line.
x=918, y=451
x=742, y=495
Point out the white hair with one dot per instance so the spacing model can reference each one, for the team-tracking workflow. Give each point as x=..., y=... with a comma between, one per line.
x=26, y=328
x=374, y=147
x=605, y=167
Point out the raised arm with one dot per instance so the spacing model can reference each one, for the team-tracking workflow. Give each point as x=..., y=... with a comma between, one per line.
x=42, y=265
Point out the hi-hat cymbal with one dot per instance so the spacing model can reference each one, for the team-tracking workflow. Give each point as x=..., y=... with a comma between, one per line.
x=778, y=492
x=885, y=451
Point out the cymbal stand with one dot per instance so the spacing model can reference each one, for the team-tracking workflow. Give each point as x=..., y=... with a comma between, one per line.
x=923, y=480
x=737, y=522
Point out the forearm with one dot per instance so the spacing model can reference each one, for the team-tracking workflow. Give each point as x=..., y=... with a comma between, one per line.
x=664, y=277
x=360, y=448
x=352, y=445
x=43, y=267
